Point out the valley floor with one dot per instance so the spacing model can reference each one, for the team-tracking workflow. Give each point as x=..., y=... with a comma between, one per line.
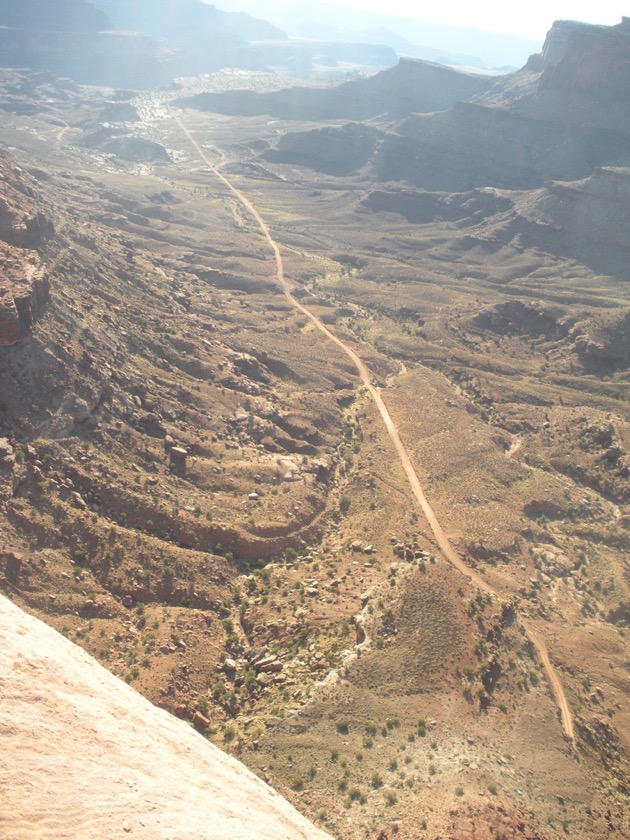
x=221, y=437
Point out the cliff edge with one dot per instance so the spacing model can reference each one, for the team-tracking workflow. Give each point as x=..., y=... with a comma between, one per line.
x=82, y=755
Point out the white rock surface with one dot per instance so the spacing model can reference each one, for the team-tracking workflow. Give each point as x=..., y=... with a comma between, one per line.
x=84, y=756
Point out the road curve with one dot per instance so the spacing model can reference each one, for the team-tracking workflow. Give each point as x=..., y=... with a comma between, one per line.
x=438, y=532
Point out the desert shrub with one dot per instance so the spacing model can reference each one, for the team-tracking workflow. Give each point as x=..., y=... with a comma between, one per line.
x=390, y=798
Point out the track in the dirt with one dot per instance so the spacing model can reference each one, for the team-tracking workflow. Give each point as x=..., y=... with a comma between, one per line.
x=441, y=538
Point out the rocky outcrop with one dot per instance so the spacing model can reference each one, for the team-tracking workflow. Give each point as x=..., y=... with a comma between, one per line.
x=115, y=112
x=24, y=285
x=602, y=342
x=129, y=147
x=411, y=86
x=522, y=317
x=24, y=290
x=587, y=220
x=22, y=222
x=7, y=465
x=83, y=755
x=419, y=207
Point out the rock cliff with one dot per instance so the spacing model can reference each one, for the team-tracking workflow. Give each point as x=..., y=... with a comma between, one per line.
x=566, y=112
x=24, y=286
x=586, y=220
x=82, y=755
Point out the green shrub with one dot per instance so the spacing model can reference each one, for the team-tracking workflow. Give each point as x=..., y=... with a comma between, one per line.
x=390, y=798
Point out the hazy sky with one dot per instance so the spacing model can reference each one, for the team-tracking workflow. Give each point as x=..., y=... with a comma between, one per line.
x=530, y=19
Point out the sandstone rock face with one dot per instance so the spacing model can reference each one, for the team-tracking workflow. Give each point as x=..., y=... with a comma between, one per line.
x=586, y=71
x=84, y=756
x=24, y=285
x=22, y=222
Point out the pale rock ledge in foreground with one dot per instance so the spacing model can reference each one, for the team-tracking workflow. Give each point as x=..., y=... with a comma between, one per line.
x=82, y=755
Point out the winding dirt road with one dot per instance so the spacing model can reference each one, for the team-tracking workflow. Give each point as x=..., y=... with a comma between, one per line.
x=441, y=538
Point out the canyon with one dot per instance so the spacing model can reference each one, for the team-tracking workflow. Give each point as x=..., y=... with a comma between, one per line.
x=238, y=316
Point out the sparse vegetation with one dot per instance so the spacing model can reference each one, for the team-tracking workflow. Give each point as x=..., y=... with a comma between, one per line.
x=287, y=514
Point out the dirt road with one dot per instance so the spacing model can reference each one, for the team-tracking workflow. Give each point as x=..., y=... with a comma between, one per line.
x=441, y=538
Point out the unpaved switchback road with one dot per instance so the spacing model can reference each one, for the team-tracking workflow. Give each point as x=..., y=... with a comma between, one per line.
x=441, y=538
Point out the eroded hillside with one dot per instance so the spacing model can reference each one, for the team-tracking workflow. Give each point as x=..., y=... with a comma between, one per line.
x=199, y=491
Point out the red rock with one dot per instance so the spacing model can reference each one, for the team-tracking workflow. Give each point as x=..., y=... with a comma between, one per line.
x=200, y=721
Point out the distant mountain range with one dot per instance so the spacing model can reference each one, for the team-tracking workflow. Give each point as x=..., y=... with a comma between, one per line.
x=408, y=36
x=146, y=43
x=170, y=19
